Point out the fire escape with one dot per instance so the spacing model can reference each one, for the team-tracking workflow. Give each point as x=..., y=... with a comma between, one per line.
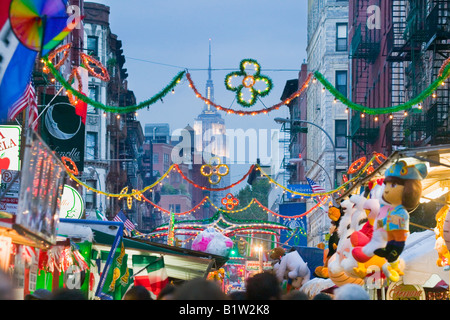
x=438, y=47
x=364, y=50
x=423, y=47
x=396, y=57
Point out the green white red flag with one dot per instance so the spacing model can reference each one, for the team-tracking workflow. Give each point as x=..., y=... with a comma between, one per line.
x=150, y=272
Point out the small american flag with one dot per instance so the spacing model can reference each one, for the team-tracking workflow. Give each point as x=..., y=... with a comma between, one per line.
x=120, y=217
x=315, y=187
x=28, y=98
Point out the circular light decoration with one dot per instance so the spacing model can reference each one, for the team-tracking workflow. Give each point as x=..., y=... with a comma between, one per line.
x=230, y=201
x=357, y=165
x=248, y=83
x=70, y=165
x=71, y=203
x=88, y=60
x=215, y=170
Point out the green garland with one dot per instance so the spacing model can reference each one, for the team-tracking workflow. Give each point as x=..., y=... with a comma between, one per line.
x=124, y=109
x=257, y=77
x=373, y=111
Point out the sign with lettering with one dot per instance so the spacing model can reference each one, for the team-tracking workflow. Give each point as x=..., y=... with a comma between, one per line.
x=10, y=147
x=63, y=130
x=72, y=206
x=9, y=188
x=400, y=291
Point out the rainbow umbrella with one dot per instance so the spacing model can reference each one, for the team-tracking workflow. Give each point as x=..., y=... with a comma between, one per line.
x=40, y=25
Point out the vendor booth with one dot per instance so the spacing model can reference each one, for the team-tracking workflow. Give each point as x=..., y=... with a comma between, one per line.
x=425, y=257
x=106, y=240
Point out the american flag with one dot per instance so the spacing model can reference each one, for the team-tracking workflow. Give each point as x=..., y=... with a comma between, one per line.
x=120, y=217
x=28, y=98
x=315, y=187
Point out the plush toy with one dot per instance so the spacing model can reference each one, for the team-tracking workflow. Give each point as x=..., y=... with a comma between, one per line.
x=440, y=245
x=276, y=254
x=390, y=224
x=293, y=268
x=336, y=262
x=334, y=213
x=212, y=241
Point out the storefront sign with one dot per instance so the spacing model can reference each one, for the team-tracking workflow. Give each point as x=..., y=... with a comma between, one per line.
x=63, y=130
x=72, y=206
x=400, y=291
x=10, y=137
x=301, y=188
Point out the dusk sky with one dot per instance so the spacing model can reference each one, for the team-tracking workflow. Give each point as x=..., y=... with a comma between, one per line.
x=161, y=38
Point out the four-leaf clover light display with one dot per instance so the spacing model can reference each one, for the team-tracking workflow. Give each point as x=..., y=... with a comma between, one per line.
x=248, y=83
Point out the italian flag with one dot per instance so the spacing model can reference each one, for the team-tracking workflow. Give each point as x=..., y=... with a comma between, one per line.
x=150, y=272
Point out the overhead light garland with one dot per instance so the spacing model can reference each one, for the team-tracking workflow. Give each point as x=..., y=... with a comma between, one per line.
x=114, y=109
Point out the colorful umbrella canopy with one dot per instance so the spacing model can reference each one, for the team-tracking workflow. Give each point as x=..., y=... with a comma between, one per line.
x=40, y=24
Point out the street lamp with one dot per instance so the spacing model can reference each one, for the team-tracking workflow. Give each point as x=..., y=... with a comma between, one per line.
x=282, y=120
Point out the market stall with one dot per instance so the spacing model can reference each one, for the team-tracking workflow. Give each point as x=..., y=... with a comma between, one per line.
x=180, y=264
x=424, y=258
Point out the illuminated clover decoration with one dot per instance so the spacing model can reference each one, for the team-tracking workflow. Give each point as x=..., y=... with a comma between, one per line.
x=215, y=170
x=230, y=201
x=248, y=83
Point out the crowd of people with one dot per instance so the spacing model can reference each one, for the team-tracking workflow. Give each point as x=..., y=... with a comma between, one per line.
x=261, y=286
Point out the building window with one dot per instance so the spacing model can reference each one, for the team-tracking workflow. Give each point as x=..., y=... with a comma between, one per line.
x=340, y=133
x=175, y=208
x=341, y=82
x=91, y=196
x=166, y=158
x=91, y=145
x=93, y=94
x=155, y=158
x=341, y=37
x=92, y=45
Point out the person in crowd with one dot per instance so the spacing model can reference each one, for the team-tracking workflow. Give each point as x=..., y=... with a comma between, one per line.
x=263, y=286
x=6, y=287
x=322, y=296
x=166, y=293
x=237, y=295
x=39, y=294
x=199, y=289
x=295, y=295
x=137, y=293
x=68, y=294
x=351, y=291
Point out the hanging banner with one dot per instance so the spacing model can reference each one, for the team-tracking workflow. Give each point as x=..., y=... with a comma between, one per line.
x=42, y=181
x=5, y=252
x=63, y=130
x=10, y=137
x=301, y=188
x=297, y=235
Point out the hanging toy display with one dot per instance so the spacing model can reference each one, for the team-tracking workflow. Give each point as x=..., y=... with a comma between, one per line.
x=387, y=229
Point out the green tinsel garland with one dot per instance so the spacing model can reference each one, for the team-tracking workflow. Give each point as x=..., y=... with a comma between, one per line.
x=257, y=76
x=124, y=109
x=373, y=111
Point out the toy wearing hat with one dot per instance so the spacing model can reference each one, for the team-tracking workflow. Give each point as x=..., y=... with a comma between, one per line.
x=402, y=192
